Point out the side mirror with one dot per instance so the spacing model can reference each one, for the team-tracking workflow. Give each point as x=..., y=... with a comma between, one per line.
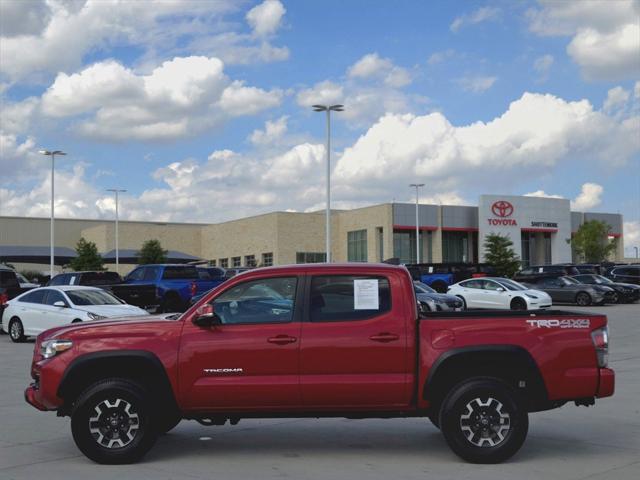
x=59, y=303
x=205, y=316
x=500, y=289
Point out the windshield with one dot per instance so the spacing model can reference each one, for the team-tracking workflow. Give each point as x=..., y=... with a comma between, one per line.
x=568, y=280
x=511, y=285
x=92, y=297
x=422, y=288
x=601, y=279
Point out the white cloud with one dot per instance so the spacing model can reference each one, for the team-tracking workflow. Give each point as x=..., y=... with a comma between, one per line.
x=373, y=87
x=542, y=194
x=239, y=100
x=477, y=84
x=542, y=65
x=273, y=131
x=617, y=98
x=44, y=39
x=16, y=117
x=480, y=15
x=323, y=93
x=20, y=17
x=265, y=18
x=589, y=197
x=441, y=56
x=537, y=133
x=631, y=232
x=374, y=66
x=181, y=97
x=605, y=34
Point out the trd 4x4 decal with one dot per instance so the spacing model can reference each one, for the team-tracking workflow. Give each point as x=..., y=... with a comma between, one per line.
x=568, y=323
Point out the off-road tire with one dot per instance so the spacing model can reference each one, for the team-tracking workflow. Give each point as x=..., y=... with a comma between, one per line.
x=483, y=420
x=128, y=405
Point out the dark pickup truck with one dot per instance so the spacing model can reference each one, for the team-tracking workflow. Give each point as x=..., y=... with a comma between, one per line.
x=321, y=340
x=140, y=295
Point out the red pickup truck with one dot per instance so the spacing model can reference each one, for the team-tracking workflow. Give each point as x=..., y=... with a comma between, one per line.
x=324, y=340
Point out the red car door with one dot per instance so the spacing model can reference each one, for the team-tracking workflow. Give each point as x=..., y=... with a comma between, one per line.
x=251, y=359
x=355, y=354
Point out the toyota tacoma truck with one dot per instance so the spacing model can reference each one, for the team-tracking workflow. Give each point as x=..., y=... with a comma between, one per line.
x=324, y=340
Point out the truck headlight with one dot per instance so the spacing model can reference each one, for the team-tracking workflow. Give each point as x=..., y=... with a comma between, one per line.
x=51, y=348
x=95, y=316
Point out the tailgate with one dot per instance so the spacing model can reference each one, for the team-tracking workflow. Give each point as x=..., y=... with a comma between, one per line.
x=143, y=296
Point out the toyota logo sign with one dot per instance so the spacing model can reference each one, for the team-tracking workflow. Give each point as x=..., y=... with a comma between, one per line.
x=502, y=208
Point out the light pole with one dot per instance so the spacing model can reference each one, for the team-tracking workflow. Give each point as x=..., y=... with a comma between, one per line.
x=52, y=154
x=417, y=186
x=328, y=109
x=116, y=191
x=636, y=249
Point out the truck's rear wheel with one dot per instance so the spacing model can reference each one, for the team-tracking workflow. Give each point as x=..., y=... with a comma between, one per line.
x=111, y=422
x=171, y=303
x=483, y=421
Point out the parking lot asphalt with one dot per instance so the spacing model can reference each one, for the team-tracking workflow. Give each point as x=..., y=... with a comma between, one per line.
x=600, y=442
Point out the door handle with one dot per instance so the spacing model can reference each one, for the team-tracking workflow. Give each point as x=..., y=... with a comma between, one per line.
x=282, y=339
x=384, y=337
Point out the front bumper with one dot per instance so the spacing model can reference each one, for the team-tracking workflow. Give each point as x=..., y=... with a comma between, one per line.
x=32, y=398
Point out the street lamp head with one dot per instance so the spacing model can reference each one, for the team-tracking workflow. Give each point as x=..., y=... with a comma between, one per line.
x=416, y=185
x=324, y=108
x=119, y=190
x=49, y=152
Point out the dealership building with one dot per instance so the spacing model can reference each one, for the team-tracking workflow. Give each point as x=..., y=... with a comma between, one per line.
x=540, y=228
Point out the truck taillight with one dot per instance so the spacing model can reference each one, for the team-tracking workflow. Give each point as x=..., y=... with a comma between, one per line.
x=600, y=338
x=4, y=298
x=194, y=288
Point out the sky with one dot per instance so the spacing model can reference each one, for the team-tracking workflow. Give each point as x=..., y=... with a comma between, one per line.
x=201, y=110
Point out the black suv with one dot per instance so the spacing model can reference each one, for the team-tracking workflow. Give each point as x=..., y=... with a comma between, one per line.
x=625, y=274
x=624, y=292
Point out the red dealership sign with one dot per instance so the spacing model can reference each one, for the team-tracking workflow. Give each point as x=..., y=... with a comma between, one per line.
x=502, y=209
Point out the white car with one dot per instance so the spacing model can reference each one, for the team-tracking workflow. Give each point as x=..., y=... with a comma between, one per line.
x=39, y=309
x=499, y=293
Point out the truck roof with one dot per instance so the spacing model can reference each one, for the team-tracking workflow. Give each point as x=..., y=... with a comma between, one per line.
x=332, y=267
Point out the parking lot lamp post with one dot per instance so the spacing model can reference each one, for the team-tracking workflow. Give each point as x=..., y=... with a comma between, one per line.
x=116, y=191
x=328, y=109
x=636, y=248
x=417, y=186
x=52, y=154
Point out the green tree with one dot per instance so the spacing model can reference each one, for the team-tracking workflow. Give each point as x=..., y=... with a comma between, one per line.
x=591, y=243
x=499, y=253
x=88, y=257
x=151, y=252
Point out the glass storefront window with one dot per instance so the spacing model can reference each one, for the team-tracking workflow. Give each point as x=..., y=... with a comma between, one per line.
x=455, y=247
x=357, y=246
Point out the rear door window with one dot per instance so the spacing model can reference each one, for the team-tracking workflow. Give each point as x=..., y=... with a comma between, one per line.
x=335, y=298
x=180, y=273
x=37, y=296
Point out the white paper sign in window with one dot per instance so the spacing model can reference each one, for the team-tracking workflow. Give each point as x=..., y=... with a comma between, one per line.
x=365, y=295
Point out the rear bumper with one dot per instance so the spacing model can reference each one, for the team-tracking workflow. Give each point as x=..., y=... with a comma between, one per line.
x=607, y=383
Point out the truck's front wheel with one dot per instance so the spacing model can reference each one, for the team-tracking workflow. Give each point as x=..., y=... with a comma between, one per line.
x=483, y=420
x=111, y=422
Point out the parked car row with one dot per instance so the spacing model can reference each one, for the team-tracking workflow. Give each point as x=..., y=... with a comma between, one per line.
x=541, y=291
